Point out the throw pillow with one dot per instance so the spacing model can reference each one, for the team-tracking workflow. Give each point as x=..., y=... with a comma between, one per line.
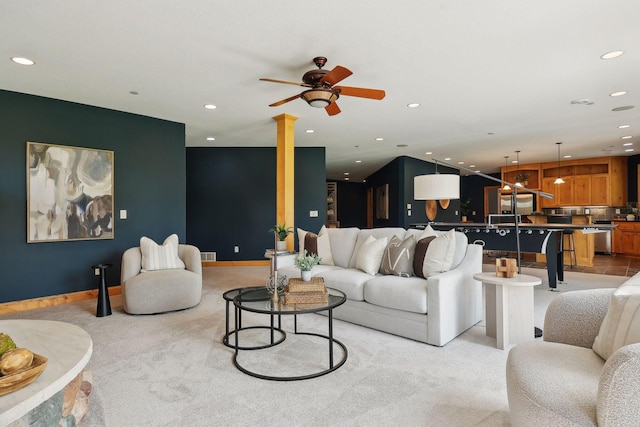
x=397, y=259
x=316, y=243
x=621, y=325
x=420, y=253
x=438, y=257
x=370, y=255
x=157, y=257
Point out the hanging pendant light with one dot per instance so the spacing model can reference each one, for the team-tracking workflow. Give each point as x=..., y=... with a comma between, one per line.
x=518, y=183
x=506, y=186
x=559, y=179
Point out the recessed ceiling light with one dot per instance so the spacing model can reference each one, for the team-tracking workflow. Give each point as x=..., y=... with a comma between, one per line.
x=346, y=178
x=627, y=137
x=567, y=156
x=624, y=126
x=346, y=173
x=623, y=108
x=472, y=166
x=461, y=163
x=583, y=101
x=619, y=93
x=379, y=139
x=413, y=105
x=612, y=54
x=22, y=61
x=210, y=138
x=514, y=161
x=628, y=150
x=210, y=106
x=447, y=158
x=309, y=131
x=627, y=144
x=358, y=161
x=428, y=153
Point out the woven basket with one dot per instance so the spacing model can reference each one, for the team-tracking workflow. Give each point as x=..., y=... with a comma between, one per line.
x=306, y=297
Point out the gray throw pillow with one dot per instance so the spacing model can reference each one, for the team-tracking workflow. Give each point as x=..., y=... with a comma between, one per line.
x=398, y=257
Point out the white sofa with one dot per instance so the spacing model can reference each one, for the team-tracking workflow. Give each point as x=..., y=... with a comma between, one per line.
x=433, y=310
x=564, y=379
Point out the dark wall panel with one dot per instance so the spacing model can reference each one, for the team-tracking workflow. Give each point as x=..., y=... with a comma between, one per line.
x=231, y=198
x=149, y=181
x=352, y=204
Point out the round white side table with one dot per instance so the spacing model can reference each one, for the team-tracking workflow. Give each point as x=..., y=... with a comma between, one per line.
x=509, y=309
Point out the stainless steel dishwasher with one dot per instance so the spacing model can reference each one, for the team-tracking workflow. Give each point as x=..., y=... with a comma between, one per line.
x=602, y=241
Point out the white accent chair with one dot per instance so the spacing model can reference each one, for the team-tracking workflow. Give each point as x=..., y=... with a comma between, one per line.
x=561, y=381
x=160, y=291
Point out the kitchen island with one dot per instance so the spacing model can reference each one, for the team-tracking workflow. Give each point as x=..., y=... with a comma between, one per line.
x=583, y=238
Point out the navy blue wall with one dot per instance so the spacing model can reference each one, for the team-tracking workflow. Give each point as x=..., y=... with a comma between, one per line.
x=352, y=204
x=149, y=181
x=231, y=198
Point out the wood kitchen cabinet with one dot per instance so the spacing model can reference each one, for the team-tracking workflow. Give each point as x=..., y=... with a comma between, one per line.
x=587, y=182
x=626, y=238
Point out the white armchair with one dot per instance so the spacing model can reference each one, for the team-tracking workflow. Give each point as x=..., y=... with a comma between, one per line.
x=562, y=381
x=148, y=292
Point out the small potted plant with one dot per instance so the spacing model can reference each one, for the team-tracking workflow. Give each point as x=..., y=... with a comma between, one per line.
x=464, y=209
x=305, y=263
x=281, y=231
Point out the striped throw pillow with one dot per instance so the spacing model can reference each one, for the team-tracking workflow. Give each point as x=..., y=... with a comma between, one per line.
x=621, y=325
x=157, y=257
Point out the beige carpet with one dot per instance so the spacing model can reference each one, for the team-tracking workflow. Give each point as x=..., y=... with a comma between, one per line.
x=172, y=369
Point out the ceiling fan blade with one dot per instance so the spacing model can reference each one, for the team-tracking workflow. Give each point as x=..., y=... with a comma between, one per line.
x=264, y=79
x=361, y=92
x=339, y=73
x=284, y=101
x=332, y=109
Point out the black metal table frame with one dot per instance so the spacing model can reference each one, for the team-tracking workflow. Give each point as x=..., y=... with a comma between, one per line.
x=238, y=323
x=332, y=366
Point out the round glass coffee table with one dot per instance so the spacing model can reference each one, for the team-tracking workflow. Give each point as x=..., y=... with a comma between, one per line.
x=228, y=297
x=258, y=300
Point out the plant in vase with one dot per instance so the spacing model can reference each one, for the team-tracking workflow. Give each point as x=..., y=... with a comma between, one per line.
x=305, y=262
x=281, y=232
x=464, y=209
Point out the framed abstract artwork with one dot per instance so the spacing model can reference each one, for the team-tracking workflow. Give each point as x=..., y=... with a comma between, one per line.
x=69, y=193
x=382, y=202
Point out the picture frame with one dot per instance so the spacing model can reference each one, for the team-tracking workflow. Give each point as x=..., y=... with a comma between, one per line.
x=69, y=193
x=382, y=202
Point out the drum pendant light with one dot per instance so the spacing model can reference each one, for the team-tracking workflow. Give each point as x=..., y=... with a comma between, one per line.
x=559, y=179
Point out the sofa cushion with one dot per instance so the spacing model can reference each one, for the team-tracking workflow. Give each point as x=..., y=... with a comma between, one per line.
x=348, y=280
x=316, y=243
x=378, y=233
x=621, y=324
x=160, y=257
x=398, y=257
x=370, y=255
x=438, y=256
x=400, y=293
x=342, y=240
x=550, y=383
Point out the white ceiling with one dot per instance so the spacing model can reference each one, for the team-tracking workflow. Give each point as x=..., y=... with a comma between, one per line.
x=491, y=76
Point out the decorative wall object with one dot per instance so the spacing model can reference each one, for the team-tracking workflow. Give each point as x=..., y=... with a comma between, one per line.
x=382, y=202
x=69, y=193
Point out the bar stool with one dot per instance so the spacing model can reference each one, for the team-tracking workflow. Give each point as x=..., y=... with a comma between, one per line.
x=571, y=247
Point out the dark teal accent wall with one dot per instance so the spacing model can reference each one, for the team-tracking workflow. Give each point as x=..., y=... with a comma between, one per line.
x=632, y=178
x=399, y=174
x=149, y=183
x=352, y=204
x=231, y=198
x=472, y=187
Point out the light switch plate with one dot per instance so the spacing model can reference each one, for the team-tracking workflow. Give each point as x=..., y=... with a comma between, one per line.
x=123, y=214
x=313, y=214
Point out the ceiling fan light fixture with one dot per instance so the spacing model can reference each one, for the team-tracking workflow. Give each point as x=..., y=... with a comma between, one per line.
x=319, y=97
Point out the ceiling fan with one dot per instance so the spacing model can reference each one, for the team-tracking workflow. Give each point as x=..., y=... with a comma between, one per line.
x=322, y=92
